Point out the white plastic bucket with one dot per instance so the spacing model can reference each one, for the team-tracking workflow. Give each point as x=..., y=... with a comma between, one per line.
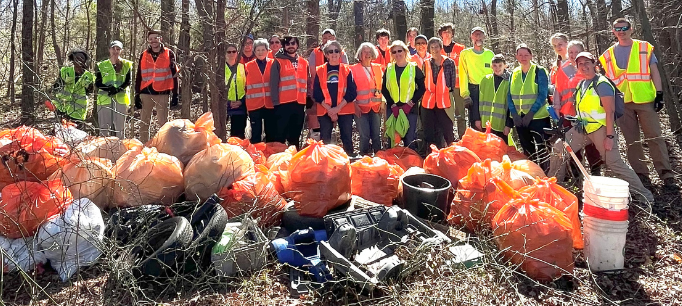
x=607, y=187
x=604, y=243
x=612, y=203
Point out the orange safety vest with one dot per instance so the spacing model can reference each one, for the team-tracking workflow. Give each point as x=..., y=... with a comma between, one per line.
x=418, y=59
x=258, y=85
x=319, y=59
x=566, y=88
x=454, y=55
x=271, y=55
x=344, y=70
x=436, y=95
x=383, y=60
x=369, y=91
x=156, y=73
x=293, y=82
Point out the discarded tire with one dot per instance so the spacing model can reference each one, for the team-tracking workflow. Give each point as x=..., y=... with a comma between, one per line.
x=162, y=251
x=126, y=224
x=208, y=223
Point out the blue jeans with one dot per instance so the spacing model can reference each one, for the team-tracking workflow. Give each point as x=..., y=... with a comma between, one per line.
x=369, y=126
x=345, y=127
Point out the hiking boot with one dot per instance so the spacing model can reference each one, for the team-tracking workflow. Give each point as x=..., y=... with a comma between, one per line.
x=646, y=181
x=595, y=170
x=670, y=183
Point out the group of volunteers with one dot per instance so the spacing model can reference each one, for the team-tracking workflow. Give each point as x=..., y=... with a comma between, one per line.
x=419, y=88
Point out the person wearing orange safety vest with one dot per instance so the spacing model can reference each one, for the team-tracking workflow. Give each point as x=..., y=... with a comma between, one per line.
x=258, y=93
x=439, y=73
x=367, y=77
x=383, y=37
x=632, y=66
x=422, y=54
x=275, y=44
x=334, y=90
x=155, y=83
x=289, y=78
x=452, y=50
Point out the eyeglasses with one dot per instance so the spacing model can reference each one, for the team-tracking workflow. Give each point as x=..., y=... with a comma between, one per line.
x=291, y=43
x=621, y=29
x=397, y=51
x=231, y=51
x=420, y=43
x=333, y=51
x=275, y=42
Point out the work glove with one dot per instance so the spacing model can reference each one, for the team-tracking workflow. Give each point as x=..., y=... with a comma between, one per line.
x=517, y=120
x=174, y=101
x=527, y=118
x=658, y=102
x=138, y=102
x=406, y=108
x=395, y=111
x=468, y=102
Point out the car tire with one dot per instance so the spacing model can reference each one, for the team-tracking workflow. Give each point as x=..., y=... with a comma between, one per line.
x=163, y=248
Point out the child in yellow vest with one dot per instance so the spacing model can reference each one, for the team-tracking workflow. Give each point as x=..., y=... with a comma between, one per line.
x=493, y=99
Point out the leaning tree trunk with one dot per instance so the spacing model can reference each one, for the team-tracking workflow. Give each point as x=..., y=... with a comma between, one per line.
x=27, y=87
x=358, y=14
x=312, y=19
x=427, y=12
x=563, y=16
x=185, y=59
x=103, y=37
x=399, y=18
x=219, y=106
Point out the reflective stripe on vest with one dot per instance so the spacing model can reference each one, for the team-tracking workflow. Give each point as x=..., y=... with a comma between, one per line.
x=565, y=85
x=237, y=87
x=293, y=82
x=73, y=99
x=493, y=103
x=258, y=85
x=344, y=71
x=368, y=90
x=436, y=95
x=405, y=91
x=635, y=80
x=525, y=92
x=419, y=60
x=113, y=79
x=589, y=107
x=156, y=73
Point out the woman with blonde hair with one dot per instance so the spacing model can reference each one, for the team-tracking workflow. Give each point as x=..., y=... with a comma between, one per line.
x=367, y=77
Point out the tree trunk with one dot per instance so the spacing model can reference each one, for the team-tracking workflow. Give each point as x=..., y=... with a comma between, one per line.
x=27, y=87
x=312, y=28
x=185, y=58
x=563, y=16
x=334, y=7
x=495, y=30
x=206, y=13
x=616, y=9
x=89, y=25
x=427, y=12
x=104, y=16
x=220, y=103
x=358, y=14
x=116, y=22
x=66, y=26
x=168, y=20
x=41, y=35
x=602, y=37
x=11, y=91
x=55, y=45
x=399, y=18
x=512, y=30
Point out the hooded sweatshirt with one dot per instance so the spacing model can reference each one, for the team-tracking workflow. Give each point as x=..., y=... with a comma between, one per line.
x=275, y=75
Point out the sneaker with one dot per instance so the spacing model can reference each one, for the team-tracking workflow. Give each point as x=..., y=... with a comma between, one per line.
x=646, y=181
x=670, y=183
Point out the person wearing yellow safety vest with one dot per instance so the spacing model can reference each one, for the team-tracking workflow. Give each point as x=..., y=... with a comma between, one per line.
x=73, y=87
x=527, y=101
x=492, y=105
x=235, y=85
x=595, y=108
x=367, y=77
x=403, y=87
x=439, y=73
x=156, y=82
x=633, y=67
x=113, y=78
x=474, y=65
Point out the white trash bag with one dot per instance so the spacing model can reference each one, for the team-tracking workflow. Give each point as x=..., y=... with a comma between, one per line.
x=73, y=239
x=69, y=134
x=20, y=253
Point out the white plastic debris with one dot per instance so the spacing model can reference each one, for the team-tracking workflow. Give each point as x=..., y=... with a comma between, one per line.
x=70, y=135
x=72, y=239
x=20, y=253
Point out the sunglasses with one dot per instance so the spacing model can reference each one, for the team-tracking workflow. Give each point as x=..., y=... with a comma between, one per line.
x=291, y=43
x=231, y=51
x=275, y=42
x=397, y=51
x=621, y=29
x=333, y=51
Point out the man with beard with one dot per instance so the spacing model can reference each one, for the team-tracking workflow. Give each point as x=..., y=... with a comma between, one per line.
x=474, y=65
x=289, y=77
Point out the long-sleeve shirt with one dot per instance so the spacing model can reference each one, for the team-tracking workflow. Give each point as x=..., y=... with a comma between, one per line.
x=449, y=72
x=498, y=80
x=333, y=86
x=101, y=86
x=232, y=87
x=149, y=89
x=543, y=82
x=59, y=83
x=419, y=88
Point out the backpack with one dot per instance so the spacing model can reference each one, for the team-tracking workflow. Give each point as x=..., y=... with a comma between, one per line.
x=619, y=97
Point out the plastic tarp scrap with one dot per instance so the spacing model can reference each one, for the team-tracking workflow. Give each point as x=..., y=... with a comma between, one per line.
x=20, y=253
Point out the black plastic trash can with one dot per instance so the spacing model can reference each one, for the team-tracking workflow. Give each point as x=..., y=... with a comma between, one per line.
x=426, y=202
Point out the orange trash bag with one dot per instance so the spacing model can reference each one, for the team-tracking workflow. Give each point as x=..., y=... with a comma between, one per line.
x=270, y=148
x=103, y=147
x=147, y=177
x=452, y=162
x=515, y=154
x=279, y=157
x=88, y=178
x=28, y=155
x=404, y=157
x=548, y=191
x=536, y=237
x=374, y=179
x=27, y=205
x=318, y=179
x=254, y=194
x=275, y=174
x=529, y=167
x=132, y=144
x=256, y=155
x=514, y=177
x=484, y=144
x=182, y=138
x=215, y=168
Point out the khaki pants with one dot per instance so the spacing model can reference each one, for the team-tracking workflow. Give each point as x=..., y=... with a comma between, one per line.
x=112, y=119
x=162, y=103
x=645, y=116
x=611, y=158
x=456, y=112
